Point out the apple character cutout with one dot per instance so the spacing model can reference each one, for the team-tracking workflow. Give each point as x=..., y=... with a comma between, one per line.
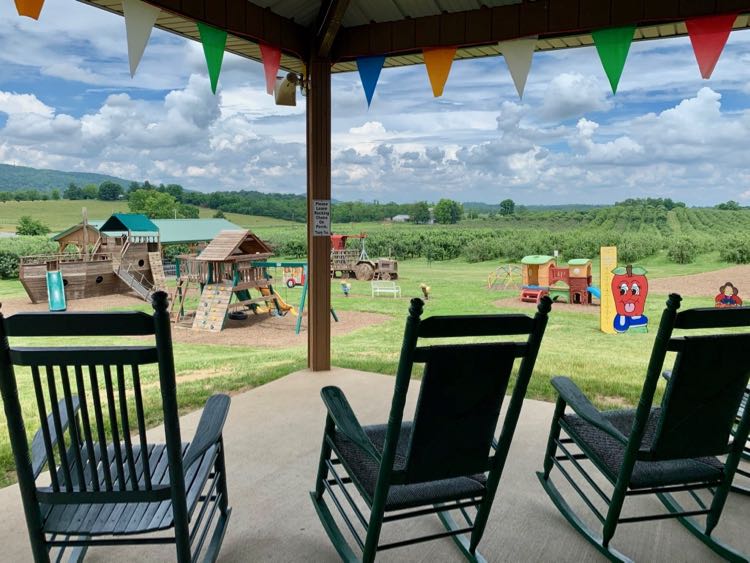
x=629, y=289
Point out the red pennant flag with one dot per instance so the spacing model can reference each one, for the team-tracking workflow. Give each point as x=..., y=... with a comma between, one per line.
x=271, y=62
x=709, y=35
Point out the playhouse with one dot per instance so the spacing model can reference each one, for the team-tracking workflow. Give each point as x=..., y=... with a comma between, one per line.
x=542, y=276
x=229, y=276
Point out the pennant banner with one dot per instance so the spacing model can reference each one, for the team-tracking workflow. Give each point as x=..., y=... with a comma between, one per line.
x=369, y=71
x=29, y=8
x=708, y=36
x=518, y=55
x=214, y=40
x=613, y=45
x=438, y=62
x=271, y=63
x=139, y=21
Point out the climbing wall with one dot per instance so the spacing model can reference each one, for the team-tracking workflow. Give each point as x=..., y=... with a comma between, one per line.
x=157, y=270
x=213, y=306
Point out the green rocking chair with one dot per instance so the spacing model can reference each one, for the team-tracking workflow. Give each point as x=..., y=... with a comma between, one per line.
x=102, y=486
x=744, y=467
x=692, y=442
x=447, y=459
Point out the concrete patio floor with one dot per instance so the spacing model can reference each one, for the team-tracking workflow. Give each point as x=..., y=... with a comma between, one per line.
x=273, y=440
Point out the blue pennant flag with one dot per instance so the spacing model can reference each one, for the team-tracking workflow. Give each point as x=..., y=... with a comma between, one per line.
x=369, y=72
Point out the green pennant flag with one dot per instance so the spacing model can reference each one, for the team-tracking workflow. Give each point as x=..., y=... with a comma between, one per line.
x=613, y=45
x=214, y=40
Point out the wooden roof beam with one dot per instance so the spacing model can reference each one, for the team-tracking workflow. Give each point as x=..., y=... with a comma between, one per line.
x=546, y=18
x=331, y=14
x=244, y=19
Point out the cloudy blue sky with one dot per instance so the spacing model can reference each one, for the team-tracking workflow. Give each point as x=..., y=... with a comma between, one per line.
x=67, y=102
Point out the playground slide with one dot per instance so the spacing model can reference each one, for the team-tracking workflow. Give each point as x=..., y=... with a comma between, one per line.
x=595, y=291
x=55, y=291
x=283, y=305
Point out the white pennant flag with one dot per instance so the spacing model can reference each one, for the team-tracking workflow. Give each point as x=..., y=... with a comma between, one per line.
x=518, y=55
x=139, y=21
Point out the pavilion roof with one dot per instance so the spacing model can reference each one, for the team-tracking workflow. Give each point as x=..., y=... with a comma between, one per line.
x=400, y=29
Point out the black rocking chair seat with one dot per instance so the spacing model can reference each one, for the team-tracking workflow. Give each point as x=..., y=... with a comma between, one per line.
x=609, y=453
x=364, y=471
x=117, y=518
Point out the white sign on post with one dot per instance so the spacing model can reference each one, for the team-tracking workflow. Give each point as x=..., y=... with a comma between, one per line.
x=321, y=217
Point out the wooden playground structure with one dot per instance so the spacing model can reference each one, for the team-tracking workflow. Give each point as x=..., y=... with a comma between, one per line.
x=542, y=276
x=124, y=255
x=230, y=276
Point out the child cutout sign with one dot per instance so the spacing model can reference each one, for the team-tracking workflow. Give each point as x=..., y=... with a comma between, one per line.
x=728, y=296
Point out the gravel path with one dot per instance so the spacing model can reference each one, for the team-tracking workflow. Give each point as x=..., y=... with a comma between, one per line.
x=706, y=284
x=262, y=331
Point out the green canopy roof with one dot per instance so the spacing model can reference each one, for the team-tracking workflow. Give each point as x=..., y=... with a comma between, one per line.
x=579, y=262
x=536, y=259
x=129, y=222
x=172, y=231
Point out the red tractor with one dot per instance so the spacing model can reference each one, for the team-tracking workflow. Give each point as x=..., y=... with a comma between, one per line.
x=353, y=263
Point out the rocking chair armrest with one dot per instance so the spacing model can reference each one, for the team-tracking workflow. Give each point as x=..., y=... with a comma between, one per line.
x=346, y=421
x=584, y=408
x=209, y=430
x=38, y=450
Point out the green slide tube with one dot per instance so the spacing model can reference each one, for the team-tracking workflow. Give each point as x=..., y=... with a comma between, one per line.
x=55, y=291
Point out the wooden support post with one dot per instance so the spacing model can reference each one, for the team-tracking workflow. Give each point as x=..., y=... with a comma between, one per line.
x=318, y=188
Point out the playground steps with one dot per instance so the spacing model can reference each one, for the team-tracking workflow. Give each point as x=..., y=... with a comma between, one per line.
x=213, y=307
x=132, y=283
x=157, y=270
x=177, y=301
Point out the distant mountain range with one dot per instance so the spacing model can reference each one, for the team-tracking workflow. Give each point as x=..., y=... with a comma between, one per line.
x=14, y=178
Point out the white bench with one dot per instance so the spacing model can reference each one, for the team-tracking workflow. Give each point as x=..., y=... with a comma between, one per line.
x=381, y=287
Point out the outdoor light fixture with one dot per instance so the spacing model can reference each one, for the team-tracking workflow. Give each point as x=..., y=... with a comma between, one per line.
x=285, y=92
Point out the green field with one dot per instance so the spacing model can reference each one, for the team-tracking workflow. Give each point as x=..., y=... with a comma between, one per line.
x=61, y=214
x=609, y=368
x=455, y=261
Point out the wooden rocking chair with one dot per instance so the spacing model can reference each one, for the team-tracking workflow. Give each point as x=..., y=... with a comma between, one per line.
x=103, y=487
x=692, y=442
x=447, y=459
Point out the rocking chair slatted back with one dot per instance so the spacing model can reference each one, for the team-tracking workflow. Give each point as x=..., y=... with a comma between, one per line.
x=89, y=400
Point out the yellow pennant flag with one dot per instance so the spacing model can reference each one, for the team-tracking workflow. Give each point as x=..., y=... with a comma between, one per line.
x=438, y=62
x=29, y=8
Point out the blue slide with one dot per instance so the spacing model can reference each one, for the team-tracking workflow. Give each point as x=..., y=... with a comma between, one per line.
x=55, y=291
x=594, y=291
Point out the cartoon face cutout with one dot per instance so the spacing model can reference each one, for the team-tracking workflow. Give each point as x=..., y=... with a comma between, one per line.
x=630, y=288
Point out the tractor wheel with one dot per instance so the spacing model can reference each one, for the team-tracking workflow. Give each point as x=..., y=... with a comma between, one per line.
x=291, y=284
x=364, y=271
x=385, y=276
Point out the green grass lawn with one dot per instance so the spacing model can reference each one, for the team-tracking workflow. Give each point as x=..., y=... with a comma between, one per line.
x=608, y=368
x=61, y=214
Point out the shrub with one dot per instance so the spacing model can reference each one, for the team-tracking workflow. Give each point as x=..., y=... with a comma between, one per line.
x=682, y=250
x=11, y=250
x=172, y=251
x=31, y=227
x=735, y=249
